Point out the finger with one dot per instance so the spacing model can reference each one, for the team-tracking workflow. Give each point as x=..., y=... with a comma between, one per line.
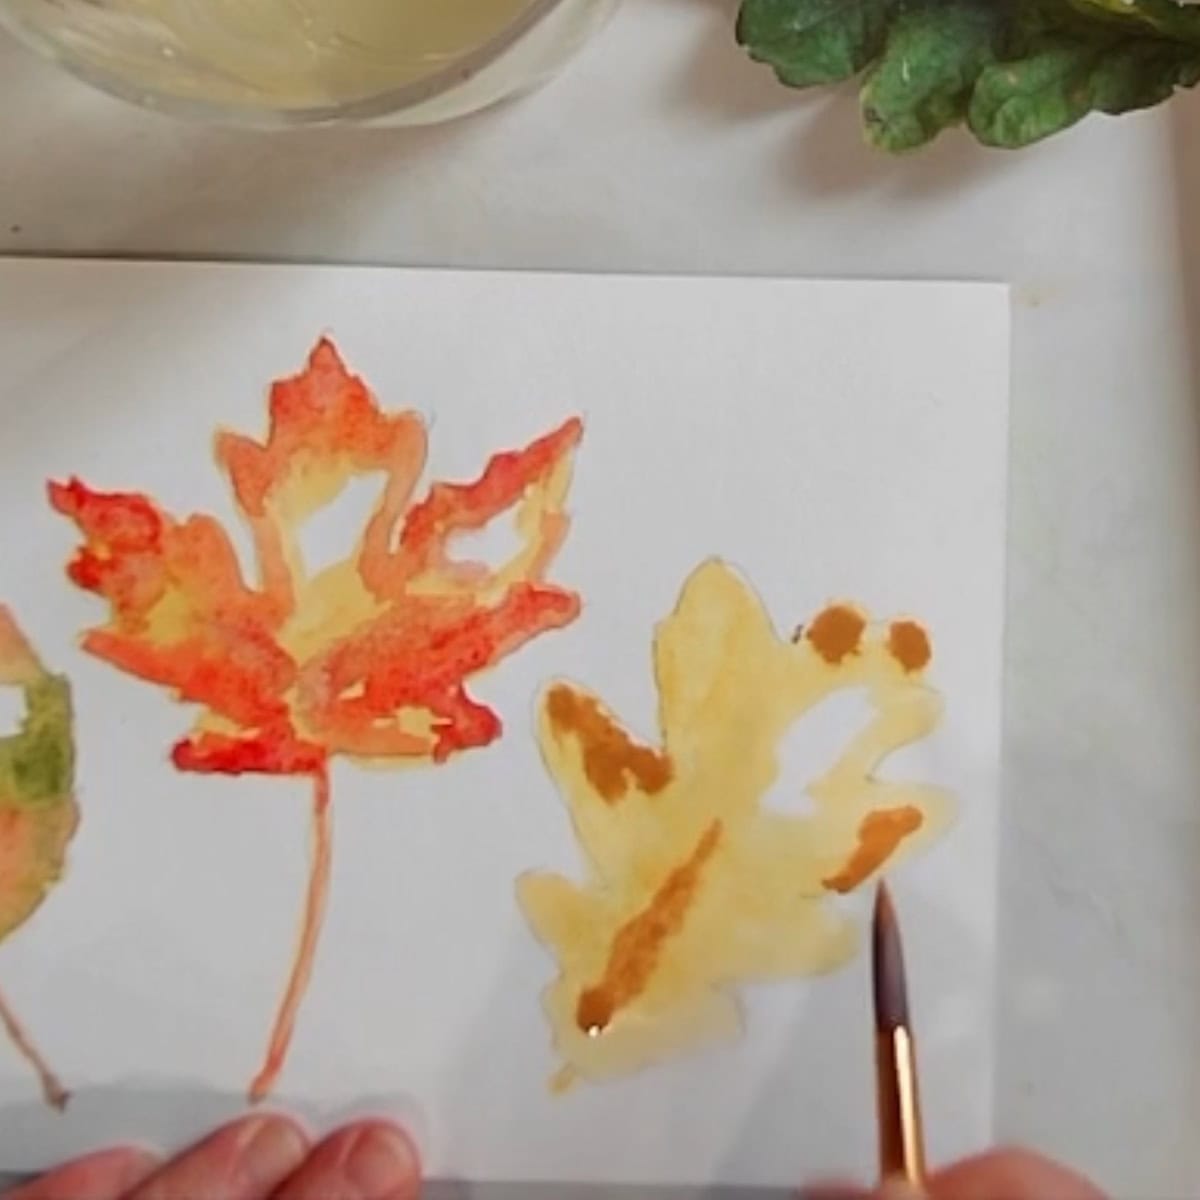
x=106, y=1175
x=833, y=1189
x=247, y=1160
x=1011, y=1175
x=371, y=1160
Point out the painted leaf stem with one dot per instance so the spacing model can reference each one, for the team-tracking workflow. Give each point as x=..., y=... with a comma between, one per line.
x=306, y=950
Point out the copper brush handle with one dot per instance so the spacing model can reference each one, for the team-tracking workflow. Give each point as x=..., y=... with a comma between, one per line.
x=901, y=1143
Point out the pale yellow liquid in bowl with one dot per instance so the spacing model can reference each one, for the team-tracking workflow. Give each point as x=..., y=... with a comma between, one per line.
x=275, y=54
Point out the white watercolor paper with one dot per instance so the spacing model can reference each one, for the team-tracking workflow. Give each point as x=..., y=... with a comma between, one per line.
x=831, y=440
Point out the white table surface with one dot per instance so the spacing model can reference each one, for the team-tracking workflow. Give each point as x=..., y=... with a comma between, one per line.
x=660, y=149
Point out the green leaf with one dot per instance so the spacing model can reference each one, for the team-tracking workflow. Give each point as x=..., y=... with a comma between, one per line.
x=935, y=51
x=1015, y=70
x=814, y=41
x=38, y=812
x=1062, y=78
x=1165, y=18
x=37, y=764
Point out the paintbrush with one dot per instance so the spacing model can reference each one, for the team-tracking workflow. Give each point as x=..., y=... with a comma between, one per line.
x=901, y=1142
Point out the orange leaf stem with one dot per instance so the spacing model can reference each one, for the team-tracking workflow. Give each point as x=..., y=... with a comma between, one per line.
x=310, y=932
x=56, y=1095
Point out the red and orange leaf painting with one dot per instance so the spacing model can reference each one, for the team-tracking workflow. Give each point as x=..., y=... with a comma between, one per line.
x=368, y=658
x=38, y=813
x=693, y=884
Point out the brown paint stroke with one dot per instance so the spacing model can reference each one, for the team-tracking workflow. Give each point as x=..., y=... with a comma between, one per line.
x=878, y=836
x=635, y=949
x=909, y=645
x=835, y=634
x=611, y=758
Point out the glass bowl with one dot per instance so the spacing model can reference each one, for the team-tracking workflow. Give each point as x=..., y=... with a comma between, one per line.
x=280, y=63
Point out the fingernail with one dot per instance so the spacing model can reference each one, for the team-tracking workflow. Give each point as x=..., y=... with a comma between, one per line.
x=382, y=1165
x=270, y=1149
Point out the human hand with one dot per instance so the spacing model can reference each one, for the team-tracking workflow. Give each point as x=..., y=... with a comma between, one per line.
x=997, y=1175
x=266, y=1157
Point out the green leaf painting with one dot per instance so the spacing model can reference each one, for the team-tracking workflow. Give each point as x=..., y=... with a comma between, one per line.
x=38, y=813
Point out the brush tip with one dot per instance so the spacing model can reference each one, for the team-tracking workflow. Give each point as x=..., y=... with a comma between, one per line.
x=887, y=963
x=884, y=909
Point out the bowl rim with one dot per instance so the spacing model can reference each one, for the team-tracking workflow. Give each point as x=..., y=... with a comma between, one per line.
x=392, y=102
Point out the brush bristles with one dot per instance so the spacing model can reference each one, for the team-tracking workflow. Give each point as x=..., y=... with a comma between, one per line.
x=887, y=963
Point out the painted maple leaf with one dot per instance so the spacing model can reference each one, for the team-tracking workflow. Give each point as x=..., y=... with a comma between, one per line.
x=38, y=813
x=369, y=657
x=694, y=885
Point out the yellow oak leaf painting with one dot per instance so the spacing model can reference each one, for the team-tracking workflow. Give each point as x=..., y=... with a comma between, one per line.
x=38, y=813
x=694, y=885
